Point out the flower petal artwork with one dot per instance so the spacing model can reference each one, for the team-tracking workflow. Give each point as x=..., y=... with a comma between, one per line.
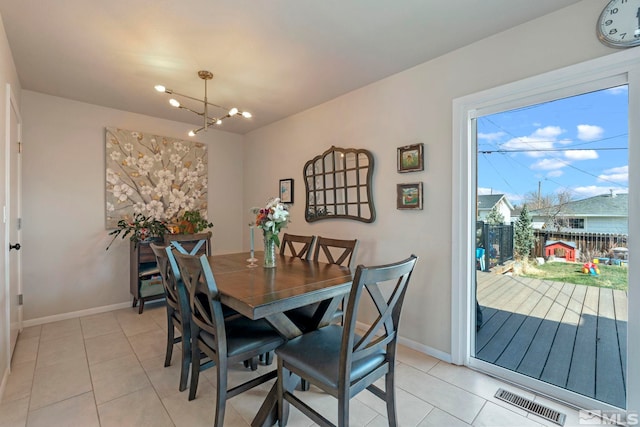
x=157, y=176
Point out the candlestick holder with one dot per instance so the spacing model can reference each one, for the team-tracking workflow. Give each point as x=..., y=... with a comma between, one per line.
x=252, y=261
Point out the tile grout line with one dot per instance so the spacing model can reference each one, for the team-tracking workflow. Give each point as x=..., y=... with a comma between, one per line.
x=147, y=373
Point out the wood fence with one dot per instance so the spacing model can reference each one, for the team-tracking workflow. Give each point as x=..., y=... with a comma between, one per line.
x=589, y=245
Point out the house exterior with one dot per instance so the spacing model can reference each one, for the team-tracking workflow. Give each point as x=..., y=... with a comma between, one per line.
x=606, y=213
x=486, y=202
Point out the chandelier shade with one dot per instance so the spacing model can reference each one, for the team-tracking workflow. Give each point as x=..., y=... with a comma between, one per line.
x=207, y=120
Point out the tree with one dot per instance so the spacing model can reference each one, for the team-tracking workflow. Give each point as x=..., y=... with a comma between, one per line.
x=551, y=207
x=524, y=239
x=495, y=217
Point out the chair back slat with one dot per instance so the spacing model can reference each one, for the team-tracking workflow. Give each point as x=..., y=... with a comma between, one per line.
x=381, y=336
x=169, y=281
x=192, y=244
x=298, y=246
x=204, y=299
x=336, y=251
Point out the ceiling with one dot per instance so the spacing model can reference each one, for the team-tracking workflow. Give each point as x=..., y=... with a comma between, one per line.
x=273, y=58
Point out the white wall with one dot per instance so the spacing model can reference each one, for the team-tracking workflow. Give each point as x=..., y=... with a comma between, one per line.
x=410, y=107
x=65, y=265
x=7, y=75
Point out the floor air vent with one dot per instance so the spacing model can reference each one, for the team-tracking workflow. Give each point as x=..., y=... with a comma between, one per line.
x=530, y=406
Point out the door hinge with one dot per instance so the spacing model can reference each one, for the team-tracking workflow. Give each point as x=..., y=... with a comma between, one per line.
x=19, y=147
x=19, y=224
x=19, y=299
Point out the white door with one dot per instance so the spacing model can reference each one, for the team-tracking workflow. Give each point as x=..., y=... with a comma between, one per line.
x=14, y=214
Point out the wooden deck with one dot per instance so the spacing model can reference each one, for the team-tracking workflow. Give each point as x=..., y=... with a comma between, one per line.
x=572, y=336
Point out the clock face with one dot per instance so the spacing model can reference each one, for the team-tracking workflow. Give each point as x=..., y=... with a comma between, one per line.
x=619, y=23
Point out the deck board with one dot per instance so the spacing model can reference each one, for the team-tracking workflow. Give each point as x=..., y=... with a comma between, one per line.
x=608, y=363
x=573, y=336
x=556, y=369
x=582, y=376
x=519, y=345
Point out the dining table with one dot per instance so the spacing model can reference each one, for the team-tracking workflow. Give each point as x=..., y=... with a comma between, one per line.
x=268, y=293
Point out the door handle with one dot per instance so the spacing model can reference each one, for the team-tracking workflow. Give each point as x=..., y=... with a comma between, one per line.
x=16, y=246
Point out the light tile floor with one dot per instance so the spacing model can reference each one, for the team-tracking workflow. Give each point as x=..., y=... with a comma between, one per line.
x=107, y=370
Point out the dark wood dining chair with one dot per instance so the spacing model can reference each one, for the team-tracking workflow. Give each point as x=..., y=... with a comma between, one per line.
x=331, y=251
x=341, y=362
x=336, y=251
x=178, y=312
x=193, y=244
x=297, y=246
x=224, y=342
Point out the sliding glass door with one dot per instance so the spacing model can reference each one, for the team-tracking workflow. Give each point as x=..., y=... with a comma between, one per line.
x=552, y=231
x=544, y=292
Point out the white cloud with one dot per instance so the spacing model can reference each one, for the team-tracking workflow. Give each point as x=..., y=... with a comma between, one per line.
x=581, y=154
x=618, y=169
x=484, y=191
x=491, y=136
x=549, y=164
x=555, y=173
x=619, y=174
x=589, y=132
x=514, y=199
x=549, y=132
x=618, y=90
x=535, y=144
x=526, y=143
x=594, y=190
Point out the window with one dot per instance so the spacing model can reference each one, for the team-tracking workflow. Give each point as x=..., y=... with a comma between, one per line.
x=574, y=223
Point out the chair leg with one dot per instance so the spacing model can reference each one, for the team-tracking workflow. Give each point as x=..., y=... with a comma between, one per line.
x=390, y=393
x=170, y=335
x=304, y=385
x=283, y=405
x=221, y=394
x=195, y=367
x=343, y=411
x=141, y=306
x=186, y=358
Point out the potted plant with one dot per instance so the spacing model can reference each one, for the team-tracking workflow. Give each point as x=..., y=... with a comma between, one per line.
x=191, y=222
x=141, y=228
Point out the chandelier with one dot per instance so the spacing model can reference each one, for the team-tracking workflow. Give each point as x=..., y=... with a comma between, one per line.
x=206, y=119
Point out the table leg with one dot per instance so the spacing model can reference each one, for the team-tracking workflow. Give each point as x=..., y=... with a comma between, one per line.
x=268, y=413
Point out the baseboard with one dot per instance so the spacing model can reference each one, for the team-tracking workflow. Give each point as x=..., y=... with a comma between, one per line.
x=438, y=354
x=3, y=384
x=74, y=314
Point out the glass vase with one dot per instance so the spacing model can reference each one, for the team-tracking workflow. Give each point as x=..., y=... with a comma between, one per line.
x=269, y=252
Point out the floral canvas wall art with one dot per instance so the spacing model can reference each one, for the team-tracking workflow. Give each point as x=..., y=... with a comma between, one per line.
x=157, y=176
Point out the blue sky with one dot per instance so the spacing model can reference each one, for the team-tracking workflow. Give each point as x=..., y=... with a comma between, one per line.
x=573, y=144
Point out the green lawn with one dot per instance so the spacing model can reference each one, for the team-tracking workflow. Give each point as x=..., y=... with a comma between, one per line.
x=611, y=276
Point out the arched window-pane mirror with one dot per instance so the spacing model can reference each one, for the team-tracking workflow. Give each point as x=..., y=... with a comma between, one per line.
x=338, y=185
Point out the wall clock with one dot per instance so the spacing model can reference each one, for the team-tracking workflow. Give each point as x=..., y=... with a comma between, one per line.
x=619, y=24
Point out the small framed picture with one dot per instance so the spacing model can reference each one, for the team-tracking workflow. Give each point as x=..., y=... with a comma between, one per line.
x=410, y=158
x=409, y=196
x=286, y=190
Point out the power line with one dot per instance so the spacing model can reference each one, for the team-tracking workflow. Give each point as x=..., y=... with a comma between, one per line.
x=542, y=150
